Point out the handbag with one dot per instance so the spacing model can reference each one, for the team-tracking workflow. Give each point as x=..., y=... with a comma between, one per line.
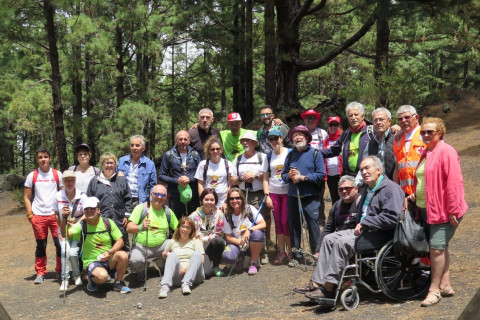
x=410, y=237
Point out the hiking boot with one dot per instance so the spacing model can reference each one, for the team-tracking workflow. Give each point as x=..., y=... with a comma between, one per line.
x=78, y=281
x=320, y=293
x=164, y=291
x=64, y=285
x=281, y=258
x=239, y=265
x=140, y=277
x=91, y=286
x=121, y=287
x=252, y=270
x=39, y=279
x=59, y=276
x=186, y=289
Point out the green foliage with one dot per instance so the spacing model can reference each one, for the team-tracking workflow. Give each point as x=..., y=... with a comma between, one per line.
x=17, y=195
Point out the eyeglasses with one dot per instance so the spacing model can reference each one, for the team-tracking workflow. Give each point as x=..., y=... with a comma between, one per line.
x=265, y=115
x=215, y=149
x=333, y=124
x=273, y=138
x=159, y=195
x=109, y=163
x=405, y=117
x=183, y=226
x=245, y=140
x=348, y=189
x=311, y=118
x=429, y=132
x=235, y=198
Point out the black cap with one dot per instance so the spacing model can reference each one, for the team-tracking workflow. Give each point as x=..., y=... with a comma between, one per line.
x=82, y=146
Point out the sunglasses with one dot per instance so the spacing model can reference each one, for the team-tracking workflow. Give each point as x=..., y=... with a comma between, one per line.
x=333, y=124
x=429, y=132
x=235, y=198
x=273, y=138
x=405, y=117
x=311, y=118
x=265, y=115
x=348, y=189
x=109, y=163
x=159, y=195
x=215, y=149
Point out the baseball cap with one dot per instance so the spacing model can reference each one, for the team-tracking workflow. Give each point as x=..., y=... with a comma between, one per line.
x=82, y=146
x=234, y=116
x=334, y=119
x=91, y=202
x=275, y=132
x=68, y=174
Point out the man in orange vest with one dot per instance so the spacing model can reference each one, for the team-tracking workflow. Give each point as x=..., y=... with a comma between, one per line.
x=407, y=149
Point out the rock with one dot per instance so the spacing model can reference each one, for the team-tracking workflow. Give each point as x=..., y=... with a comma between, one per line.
x=446, y=108
x=11, y=181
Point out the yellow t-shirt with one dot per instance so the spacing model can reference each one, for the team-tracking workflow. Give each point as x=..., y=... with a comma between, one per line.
x=420, y=195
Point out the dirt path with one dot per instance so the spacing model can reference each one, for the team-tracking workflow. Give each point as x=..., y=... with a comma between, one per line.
x=266, y=295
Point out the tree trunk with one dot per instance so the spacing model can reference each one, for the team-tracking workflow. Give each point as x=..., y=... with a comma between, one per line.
x=466, y=81
x=248, y=114
x=49, y=13
x=120, y=66
x=381, y=54
x=89, y=104
x=77, y=92
x=223, y=93
x=270, y=57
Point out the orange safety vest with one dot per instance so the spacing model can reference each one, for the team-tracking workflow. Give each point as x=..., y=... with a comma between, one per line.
x=407, y=161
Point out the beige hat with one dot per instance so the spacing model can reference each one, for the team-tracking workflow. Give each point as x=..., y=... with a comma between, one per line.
x=68, y=174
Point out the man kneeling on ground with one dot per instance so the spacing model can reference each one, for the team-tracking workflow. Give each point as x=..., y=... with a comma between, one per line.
x=102, y=241
x=380, y=209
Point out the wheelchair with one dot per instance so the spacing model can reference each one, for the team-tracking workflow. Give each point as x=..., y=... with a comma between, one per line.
x=398, y=276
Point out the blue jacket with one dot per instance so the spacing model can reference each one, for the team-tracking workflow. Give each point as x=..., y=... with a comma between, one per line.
x=315, y=172
x=342, y=146
x=171, y=169
x=147, y=174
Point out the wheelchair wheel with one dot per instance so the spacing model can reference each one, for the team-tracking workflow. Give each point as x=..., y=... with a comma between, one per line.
x=350, y=299
x=398, y=278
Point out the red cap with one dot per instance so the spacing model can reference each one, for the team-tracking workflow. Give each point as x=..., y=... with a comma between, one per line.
x=234, y=116
x=334, y=119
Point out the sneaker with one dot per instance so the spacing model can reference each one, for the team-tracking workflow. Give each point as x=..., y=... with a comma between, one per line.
x=252, y=270
x=39, y=279
x=217, y=272
x=59, y=276
x=121, y=287
x=164, y=291
x=264, y=258
x=64, y=285
x=281, y=258
x=239, y=265
x=78, y=281
x=293, y=263
x=91, y=286
x=186, y=289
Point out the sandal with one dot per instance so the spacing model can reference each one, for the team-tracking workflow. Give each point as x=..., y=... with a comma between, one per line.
x=306, y=288
x=432, y=301
x=281, y=258
x=447, y=292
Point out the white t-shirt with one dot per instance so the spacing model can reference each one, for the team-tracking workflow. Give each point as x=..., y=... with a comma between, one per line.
x=61, y=200
x=44, y=191
x=275, y=182
x=238, y=223
x=216, y=177
x=252, y=165
x=332, y=163
x=318, y=136
x=83, y=179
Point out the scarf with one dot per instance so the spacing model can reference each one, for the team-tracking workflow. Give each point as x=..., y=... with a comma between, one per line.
x=360, y=127
x=331, y=137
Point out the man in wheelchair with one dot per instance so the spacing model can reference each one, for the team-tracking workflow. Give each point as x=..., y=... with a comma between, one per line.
x=379, y=209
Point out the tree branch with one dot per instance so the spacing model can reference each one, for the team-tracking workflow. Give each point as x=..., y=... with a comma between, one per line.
x=317, y=7
x=317, y=63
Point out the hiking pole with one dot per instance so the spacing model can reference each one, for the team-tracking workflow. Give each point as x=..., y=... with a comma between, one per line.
x=253, y=223
x=303, y=226
x=146, y=242
x=64, y=266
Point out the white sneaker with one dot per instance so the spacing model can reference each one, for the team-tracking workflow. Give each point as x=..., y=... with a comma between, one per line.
x=78, y=281
x=164, y=291
x=264, y=258
x=64, y=285
x=186, y=289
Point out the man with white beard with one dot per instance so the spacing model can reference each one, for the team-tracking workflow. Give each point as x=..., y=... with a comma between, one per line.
x=303, y=170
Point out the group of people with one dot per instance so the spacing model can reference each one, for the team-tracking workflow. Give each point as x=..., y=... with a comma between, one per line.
x=217, y=190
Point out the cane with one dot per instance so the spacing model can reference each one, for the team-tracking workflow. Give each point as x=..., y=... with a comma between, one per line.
x=146, y=241
x=253, y=223
x=64, y=267
x=303, y=226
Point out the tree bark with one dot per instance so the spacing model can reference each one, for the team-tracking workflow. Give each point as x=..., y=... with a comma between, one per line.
x=270, y=57
x=61, y=150
x=89, y=105
x=381, y=55
x=248, y=115
x=120, y=66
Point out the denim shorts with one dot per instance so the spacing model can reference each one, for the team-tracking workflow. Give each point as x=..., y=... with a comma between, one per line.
x=95, y=264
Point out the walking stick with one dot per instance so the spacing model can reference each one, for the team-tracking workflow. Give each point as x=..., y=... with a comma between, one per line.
x=146, y=242
x=64, y=267
x=303, y=226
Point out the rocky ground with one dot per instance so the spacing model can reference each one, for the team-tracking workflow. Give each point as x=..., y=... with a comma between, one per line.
x=265, y=295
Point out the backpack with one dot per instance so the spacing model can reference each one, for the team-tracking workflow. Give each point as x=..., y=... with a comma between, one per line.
x=95, y=170
x=108, y=228
x=55, y=176
x=259, y=157
x=168, y=213
x=205, y=169
x=194, y=153
x=249, y=216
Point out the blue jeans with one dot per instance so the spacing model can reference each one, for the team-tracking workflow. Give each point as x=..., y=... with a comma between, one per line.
x=71, y=258
x=310, y=206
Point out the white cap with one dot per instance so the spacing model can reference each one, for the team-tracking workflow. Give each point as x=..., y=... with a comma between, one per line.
x=91, y=202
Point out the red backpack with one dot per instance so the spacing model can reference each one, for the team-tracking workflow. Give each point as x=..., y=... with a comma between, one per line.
x=55, y=175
